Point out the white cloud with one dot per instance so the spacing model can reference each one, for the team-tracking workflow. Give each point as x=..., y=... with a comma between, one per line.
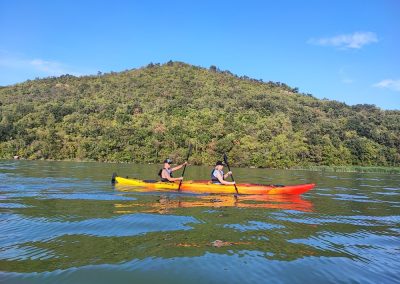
x=388, y=84
x=347, y=81
x=345, y=78
x=40, y=66
x=49, y=67
x=355, y=40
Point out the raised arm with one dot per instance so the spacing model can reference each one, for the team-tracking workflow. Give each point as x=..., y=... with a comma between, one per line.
x=179, y=167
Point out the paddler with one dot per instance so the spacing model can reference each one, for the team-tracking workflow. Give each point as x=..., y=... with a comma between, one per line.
x=217, y=174
x=166, y=172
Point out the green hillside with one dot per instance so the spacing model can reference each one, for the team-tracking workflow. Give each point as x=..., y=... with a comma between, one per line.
x=147, y=114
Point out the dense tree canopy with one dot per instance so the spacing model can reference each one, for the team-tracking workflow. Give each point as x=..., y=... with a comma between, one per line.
x=147, y=114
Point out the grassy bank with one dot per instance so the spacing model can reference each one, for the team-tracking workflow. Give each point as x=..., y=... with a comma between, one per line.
x=349, y=169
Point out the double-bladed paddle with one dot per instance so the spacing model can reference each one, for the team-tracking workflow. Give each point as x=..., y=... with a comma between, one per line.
x=184, y=168
x=229, y=168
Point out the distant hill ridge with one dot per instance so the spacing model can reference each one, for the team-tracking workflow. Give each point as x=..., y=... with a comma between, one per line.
x=147, y=114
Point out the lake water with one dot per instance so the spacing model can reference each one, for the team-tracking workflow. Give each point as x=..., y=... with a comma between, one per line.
x=63, y=222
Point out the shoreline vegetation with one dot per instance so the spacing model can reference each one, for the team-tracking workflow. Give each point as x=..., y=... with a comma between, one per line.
x=339, y=169
x=147, y=114
x=349, y=169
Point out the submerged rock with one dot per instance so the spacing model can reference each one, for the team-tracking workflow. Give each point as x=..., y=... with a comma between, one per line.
x=219, y=243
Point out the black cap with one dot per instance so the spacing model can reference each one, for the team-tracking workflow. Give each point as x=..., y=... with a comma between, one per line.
x=168, y=160
x=219, y=163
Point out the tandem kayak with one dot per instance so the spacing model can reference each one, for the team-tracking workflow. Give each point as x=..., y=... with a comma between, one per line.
x=204, y=186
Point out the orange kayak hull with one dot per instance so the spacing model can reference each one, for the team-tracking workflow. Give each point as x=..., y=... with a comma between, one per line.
x=201, y=186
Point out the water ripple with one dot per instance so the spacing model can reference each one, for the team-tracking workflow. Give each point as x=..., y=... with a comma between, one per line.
x=19, y=230
x=62, y=222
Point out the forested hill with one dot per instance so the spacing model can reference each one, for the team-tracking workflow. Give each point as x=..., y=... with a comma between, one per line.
x=147, y=114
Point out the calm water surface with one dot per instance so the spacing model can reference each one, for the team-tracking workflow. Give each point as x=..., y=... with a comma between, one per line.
x=63, y=222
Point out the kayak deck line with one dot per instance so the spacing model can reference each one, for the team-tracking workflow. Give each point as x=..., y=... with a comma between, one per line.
x=205, y=186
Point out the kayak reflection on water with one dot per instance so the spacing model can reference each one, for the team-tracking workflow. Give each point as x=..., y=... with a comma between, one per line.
x=165, y=203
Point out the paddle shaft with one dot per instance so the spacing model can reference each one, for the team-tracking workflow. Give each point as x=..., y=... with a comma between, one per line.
x=229, y=169
x=184, y=168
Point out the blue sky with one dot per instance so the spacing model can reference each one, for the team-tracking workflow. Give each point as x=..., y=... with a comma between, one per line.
x=340, y=50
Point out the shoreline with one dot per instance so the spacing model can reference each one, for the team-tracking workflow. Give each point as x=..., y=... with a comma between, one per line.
x=315, y=168
x=349, y=169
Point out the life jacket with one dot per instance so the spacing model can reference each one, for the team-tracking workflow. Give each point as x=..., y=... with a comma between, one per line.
x=160, y=174
x=214, y=179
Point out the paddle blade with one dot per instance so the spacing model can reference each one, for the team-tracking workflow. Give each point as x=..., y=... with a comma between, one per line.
x=225, y=159
x=190, y=152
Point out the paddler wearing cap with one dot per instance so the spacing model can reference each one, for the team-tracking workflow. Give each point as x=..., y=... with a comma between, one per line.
x=217, y=174
x=166, y=172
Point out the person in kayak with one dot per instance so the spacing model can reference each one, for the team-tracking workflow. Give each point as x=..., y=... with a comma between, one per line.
x=166, y=172
x=217, y=174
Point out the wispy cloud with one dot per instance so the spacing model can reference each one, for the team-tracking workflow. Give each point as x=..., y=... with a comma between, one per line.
x=355, y=40
x=388, y=84
x=347, y=81
x=50, y=67
x=345, y=78
x=40, y=66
